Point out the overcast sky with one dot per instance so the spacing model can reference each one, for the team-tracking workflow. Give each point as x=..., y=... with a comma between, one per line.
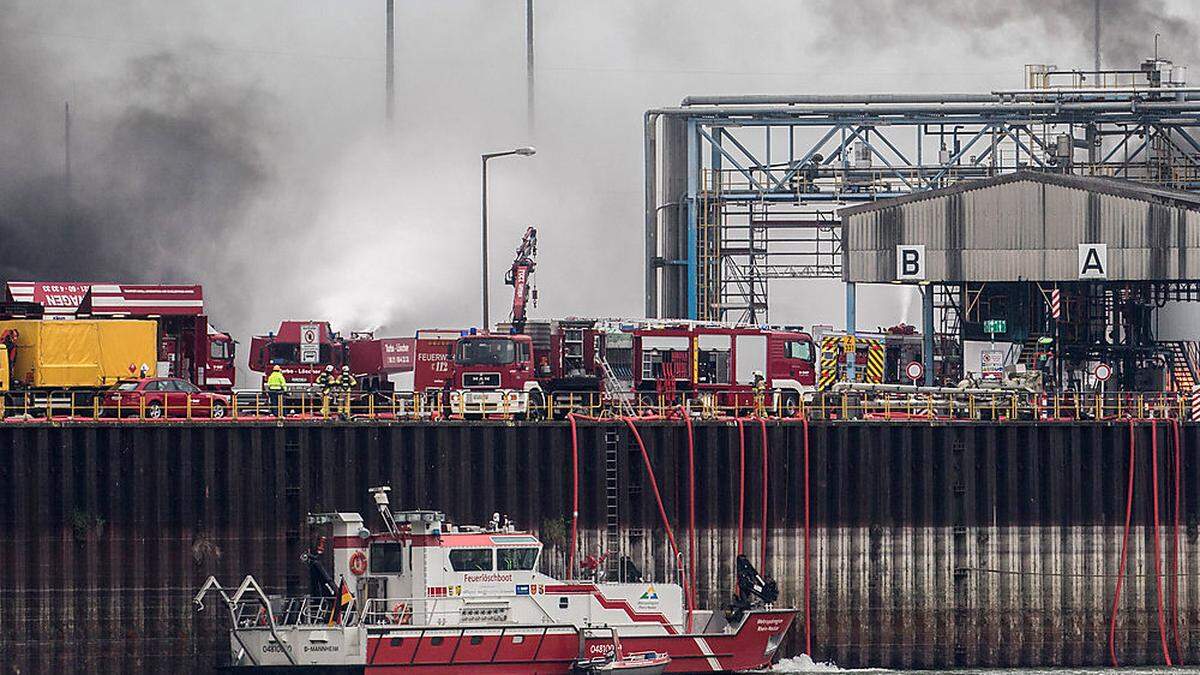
x=242, y=144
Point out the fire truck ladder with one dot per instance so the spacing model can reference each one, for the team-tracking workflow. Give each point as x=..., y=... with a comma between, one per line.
x=612, y=501
x=612, y=388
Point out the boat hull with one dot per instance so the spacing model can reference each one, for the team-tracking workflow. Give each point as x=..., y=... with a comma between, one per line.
x=553, y=650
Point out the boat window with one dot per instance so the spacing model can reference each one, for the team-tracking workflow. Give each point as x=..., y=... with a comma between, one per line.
x=471, y=559
x=386, y=558
x=508, y=559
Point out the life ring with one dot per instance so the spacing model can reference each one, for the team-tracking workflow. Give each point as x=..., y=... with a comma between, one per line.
x=400, y=614
x=358, y=563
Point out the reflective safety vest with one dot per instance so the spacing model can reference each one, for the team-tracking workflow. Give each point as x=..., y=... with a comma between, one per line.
x=276, y=381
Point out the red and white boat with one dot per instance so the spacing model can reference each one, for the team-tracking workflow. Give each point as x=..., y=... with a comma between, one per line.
x=425, y=596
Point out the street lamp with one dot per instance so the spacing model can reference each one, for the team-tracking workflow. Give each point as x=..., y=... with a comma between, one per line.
x=524, y=152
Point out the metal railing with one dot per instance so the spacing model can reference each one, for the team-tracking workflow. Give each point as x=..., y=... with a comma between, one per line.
x=866, y=405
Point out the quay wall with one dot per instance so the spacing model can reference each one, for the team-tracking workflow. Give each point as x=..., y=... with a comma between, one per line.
x=930, y=545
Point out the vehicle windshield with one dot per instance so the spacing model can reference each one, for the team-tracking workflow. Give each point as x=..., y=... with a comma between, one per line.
x=126, y=386
x=485, y=351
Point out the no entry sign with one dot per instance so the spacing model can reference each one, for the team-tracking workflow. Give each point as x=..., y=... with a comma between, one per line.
x=914, y=370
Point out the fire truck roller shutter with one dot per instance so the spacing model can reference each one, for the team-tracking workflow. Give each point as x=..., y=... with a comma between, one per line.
x=749, y=357
x=713, y=352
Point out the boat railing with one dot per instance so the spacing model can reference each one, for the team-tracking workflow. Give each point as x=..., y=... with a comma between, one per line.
x=237, y=605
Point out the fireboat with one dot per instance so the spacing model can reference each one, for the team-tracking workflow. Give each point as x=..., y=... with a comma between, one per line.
x=426, y=596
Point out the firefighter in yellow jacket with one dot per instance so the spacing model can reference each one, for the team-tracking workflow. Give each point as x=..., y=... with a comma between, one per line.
x=345, y=384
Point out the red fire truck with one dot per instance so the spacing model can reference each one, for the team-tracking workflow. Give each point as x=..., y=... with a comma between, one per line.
x=188, y=346
x=302, y=349
x=433, y=351
x=555, y=361
x=551, y=362
x=725, y=362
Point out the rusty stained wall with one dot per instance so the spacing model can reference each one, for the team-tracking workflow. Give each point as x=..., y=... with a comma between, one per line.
x=931, y=545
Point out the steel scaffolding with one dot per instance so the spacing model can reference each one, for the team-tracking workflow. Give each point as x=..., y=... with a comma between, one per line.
x=742, y=190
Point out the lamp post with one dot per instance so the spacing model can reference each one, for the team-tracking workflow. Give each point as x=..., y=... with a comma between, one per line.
x=524, y=152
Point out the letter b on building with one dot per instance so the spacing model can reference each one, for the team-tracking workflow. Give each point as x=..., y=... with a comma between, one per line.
x=910, y=263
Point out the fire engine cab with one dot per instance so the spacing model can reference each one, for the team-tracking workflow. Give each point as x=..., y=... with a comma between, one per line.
x=495, y=373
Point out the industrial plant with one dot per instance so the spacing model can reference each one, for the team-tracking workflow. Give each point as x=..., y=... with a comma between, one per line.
x=709, y=482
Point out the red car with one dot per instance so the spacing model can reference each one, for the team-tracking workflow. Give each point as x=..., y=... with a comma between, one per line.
x=158, y=397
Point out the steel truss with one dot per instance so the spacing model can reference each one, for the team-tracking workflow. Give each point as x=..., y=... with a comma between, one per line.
x=756, y=185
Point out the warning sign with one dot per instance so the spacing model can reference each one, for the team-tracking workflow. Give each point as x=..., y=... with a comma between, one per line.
x=991, y=363
x=310, y=343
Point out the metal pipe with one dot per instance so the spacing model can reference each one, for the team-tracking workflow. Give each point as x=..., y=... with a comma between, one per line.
x=851, y=320
x=927, y=333
x=911, y=389
x=1006, y=107
x=484, y=244
x=995, y=96
x=529, y=117
x=390, y=105
x=805, y=99
x=650, y=158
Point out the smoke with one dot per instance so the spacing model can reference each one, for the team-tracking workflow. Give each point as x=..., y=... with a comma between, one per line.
x=242, y=145
x=165, y=165
x=1041, y=29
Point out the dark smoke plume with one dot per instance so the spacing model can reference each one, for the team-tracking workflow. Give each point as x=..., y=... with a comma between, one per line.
x=166, y=161
x=1043, y=29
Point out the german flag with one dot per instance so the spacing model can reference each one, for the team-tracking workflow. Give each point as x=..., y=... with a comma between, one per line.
x=341, y=603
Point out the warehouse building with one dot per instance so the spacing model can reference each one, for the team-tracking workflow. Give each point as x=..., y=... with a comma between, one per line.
x=1038, y=269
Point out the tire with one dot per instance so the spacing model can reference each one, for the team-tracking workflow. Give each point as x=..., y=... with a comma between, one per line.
x=789, y=404
x=217, y=410
x=154, y=410
x=535, y=410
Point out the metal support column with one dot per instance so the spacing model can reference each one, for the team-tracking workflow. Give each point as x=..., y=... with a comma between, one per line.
x=693, y=215
x=650, y=151
x=927, y=332
x=851, y=314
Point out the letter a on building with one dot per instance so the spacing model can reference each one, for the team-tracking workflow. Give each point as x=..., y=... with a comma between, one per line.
x=1093, y=261
x=910, y=262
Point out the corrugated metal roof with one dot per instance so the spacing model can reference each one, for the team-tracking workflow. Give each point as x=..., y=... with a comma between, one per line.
x=1028, y=226
x=1114, y=186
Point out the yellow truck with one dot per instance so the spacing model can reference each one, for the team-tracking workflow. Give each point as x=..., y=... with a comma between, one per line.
x=61, y=364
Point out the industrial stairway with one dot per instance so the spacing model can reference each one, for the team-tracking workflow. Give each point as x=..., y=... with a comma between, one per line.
x=1029, y=352
x=1183, y=374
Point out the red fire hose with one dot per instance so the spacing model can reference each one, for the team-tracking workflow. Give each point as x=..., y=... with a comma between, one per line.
x=1175, y=547
x=574, y=495
x=807, y=606
x=763, y=564
x=691, y=514
x=1112, y=626
x=662, y=512
x=741, y=485
x=1162, y=627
